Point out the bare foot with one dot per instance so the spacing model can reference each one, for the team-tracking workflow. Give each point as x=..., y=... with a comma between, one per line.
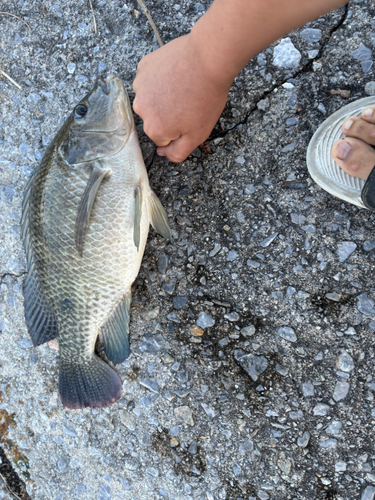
x=355, y=154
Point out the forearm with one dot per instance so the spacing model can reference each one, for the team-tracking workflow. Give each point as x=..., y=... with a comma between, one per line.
x=233, y=31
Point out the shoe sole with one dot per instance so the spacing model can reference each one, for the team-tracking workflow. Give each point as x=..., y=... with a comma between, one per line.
x=323, y=169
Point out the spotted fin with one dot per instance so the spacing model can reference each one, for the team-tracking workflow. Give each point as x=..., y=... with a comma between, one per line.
x=88, y=383
x=114, y=333
x=158, y=217
x=85, y=206
x=39, y=315
x=137, y=216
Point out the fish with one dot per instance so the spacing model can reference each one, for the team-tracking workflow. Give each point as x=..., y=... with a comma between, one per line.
x=85, y=219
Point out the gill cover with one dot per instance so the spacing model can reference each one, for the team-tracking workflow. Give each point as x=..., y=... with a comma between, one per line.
x=100, y=124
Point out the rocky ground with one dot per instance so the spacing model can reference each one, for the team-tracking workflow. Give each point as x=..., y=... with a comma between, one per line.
x=252, y=366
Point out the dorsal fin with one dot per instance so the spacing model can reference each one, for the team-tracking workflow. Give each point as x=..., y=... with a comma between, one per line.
x=86, y=204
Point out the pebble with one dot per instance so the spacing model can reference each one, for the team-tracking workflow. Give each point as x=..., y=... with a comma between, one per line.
x=336, y=297
x=248, y=331
x=328, y=443
x=365, y=305
x=174, y=442
x=345, y=362
x=184, y=414
x=104, y=492
x=345, y=249
x=253, y=264
x=263, y=104
x=308, y=389
x=285, y=55
x=71, y=67
x=215, y=250
x=322, y=108
x=369, y=493
x=247, y=446
x=289, y=148
x=363, y=53
x=303, y=441
x=205, y=320
x=233, y=316
x=334, y=427
x=173, y=317
x=208, y=410
x=232, y=255
x=321, y=409
x=179, y=302
x=287, y=333
x=150, y=384
x=298, y=219
x=366, y=66
x=128, y=420
x=162, y=263
x=281, y=370
x=370, y=90
x=265, y=243
x=369, y=245
x=296, y=415
x=340, y=466
x=151, y=314
x=196, y=331
x=341, y=390
x=169, y=287
x=311, y=35
x=253, y=365
x=285, y=465
x=312, y=53
x=193, y=448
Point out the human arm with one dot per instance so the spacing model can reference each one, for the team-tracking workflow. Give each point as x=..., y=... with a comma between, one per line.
x=181, y=89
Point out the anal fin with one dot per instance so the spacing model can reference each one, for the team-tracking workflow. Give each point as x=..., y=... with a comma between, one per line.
x=85, y=206
x=114, y=333
x=158, y=217
x=40, y=317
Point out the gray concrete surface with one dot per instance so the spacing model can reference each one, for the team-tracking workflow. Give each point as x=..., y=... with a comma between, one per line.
x=252, y=366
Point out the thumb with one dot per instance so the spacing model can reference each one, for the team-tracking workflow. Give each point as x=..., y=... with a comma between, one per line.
x=178, y=150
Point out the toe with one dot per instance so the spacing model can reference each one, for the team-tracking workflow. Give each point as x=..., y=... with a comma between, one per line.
x=368, y=114
x=359, y=129
x=354, y=156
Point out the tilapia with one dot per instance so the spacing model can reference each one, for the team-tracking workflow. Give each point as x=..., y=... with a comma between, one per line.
x=85, y=219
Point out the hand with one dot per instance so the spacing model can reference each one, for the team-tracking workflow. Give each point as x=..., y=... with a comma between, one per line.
x=177, y=98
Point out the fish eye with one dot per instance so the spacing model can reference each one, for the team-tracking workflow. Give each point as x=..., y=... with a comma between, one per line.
x=81, y=110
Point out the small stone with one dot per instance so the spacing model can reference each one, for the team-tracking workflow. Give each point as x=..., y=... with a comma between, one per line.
x=205, y=320
x=151, y=314
x=308, y=389
x=263, y=104
x=334, y=427
x=288, y=85
x=336, y=297
x=365, y=305
x=287, y=333
x=328, y=443
x=321, y=409
x=265, y=243
x=173, y=317
x=193, y=448
x=233, y=316
x=53, y=344
x=298, y=219
x=232, y=255
x=162, y=263
x=215, y=250
x=317, y=66
x=174, y=442
x=345, y=362
x=209, y=411
x=366, y=66
x=296, y=415
x=281, y=370
x=285, y=465
x=71, y=67
x=345, y=249
x=253, y=264
x=196, y=331
x=350, y=331
x=101, y=67
x=369, y=245
x=369, y=493
x=150, y=384
x=185, y=415
x=128, y=420
x=341, y=390
x=303, y=441
x=179, y=302
x=247, y=446
x=248, y=331
x=340, y=466
x=169, y=287
x=370, y=88
x=253, y=365
x=240, y=160
x=312, y=53
x=363, y=53
x=285, y=55
x=311, y=35
x=289, y=148
x=249, y=189
x=322, y=108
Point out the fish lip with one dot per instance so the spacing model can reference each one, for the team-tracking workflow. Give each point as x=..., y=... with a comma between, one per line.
x=100, y=81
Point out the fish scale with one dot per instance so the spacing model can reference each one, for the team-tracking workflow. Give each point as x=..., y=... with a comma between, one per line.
x=85, y=221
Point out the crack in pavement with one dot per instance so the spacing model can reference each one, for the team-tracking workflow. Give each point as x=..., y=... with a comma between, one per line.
x=4, y=275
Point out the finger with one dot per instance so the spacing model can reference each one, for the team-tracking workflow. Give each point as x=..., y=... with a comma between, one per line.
x=179, y=149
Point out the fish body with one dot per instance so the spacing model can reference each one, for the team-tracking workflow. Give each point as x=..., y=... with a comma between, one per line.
x=86, y=215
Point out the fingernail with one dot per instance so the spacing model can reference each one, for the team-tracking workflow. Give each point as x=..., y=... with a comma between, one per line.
x=368, y=112
x=343, y=150
x=348, y=124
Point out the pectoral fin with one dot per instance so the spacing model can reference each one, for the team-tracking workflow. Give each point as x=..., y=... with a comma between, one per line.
x=137, y=216
x=158, y=217
x=85, y=206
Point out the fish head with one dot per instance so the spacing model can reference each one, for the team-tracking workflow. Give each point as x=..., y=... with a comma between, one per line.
x=100, y=124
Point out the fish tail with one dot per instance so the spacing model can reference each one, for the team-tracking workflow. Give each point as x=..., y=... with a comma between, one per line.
x=90, y=383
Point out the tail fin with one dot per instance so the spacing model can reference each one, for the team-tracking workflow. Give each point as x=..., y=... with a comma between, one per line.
x=88, y=383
